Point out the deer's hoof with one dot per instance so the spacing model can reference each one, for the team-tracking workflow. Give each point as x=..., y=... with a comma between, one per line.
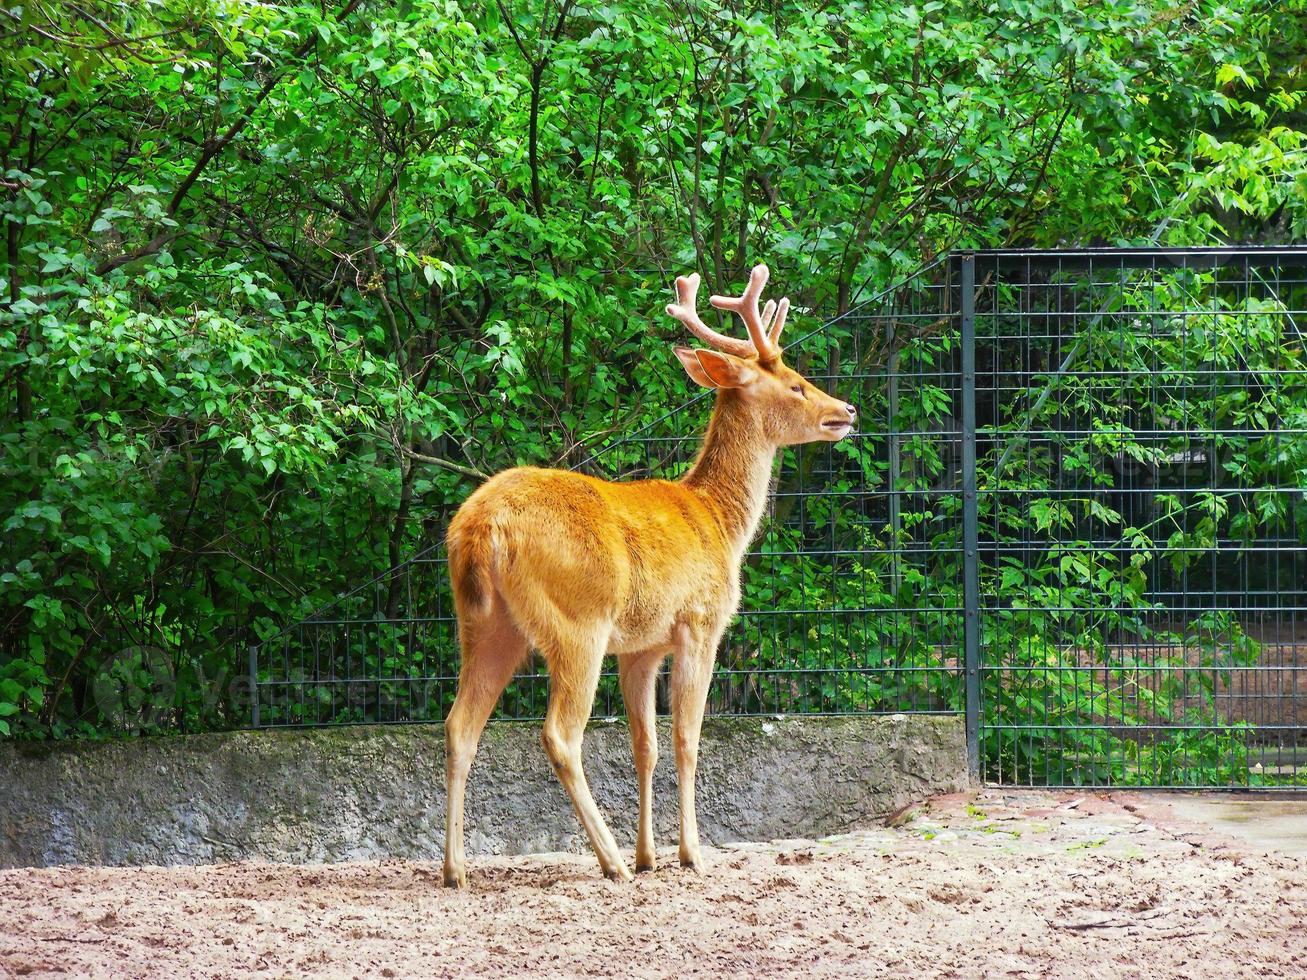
x=693, y=863
x=455, y=877
x=618, y=873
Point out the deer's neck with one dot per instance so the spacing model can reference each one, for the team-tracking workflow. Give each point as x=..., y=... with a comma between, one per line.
x=734, y=468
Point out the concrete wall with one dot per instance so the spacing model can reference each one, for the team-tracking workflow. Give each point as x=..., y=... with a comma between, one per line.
x=374, y=792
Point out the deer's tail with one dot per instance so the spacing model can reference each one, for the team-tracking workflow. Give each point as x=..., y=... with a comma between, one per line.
x=471, y=552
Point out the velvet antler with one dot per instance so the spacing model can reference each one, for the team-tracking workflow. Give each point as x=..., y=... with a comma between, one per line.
x=684, y=309
x=764, y=327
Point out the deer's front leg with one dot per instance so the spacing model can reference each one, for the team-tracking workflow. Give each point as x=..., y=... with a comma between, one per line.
x=691, y=674
x=574, y=674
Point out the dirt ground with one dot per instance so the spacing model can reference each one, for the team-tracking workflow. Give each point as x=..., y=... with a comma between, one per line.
x=994, y=884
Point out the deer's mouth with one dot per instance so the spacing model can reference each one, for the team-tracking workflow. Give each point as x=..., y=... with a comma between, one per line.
x=837, y=426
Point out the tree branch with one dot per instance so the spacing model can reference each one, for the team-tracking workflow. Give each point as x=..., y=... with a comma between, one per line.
x=211, y=149
x=446, y=464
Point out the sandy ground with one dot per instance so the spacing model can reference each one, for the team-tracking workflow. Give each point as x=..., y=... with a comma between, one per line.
x=991, y=884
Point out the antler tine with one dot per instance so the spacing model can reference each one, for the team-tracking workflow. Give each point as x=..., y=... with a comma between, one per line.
x=773, y=318
x=774, y=334
x=684, y=309
x=746, y=306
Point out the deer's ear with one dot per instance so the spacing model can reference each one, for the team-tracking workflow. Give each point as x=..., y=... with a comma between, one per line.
x=713, y=369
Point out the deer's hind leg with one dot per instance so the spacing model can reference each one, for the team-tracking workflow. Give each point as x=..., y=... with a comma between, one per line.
x=639, y=672
x=492, y=649
x=573, y=676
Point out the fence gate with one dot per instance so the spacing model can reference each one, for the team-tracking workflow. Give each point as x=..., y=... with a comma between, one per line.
x=1136, y=515
x=1075, y=515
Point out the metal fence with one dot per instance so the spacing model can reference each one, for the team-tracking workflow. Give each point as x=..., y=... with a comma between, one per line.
x=1140, y=428
x=1074, y=514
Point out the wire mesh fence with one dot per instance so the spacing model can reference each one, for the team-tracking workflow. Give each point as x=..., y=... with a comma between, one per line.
x=1142, y=520
x=1074, y=513
x=823, y=627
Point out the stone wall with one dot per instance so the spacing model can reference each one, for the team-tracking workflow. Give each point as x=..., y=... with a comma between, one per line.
x=378, y=792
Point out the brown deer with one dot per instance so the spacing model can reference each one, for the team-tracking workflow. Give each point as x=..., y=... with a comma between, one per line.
x=578, y=567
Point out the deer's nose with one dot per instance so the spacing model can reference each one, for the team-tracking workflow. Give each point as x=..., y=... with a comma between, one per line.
x=853, y=412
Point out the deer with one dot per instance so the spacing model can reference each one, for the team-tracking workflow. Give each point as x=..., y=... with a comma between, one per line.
x=577, y=568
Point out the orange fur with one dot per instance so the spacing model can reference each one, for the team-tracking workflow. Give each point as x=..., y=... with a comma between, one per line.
x=578, y=567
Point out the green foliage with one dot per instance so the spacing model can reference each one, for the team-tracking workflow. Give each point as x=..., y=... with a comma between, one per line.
x=281, y=280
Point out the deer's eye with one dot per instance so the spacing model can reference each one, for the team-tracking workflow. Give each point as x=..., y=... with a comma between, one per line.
x=797, y=389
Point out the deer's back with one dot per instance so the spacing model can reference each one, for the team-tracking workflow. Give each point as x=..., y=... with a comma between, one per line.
x=557, y=545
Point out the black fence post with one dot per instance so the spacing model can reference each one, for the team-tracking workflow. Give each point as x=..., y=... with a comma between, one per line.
x=970, y=517
x=254, y=685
